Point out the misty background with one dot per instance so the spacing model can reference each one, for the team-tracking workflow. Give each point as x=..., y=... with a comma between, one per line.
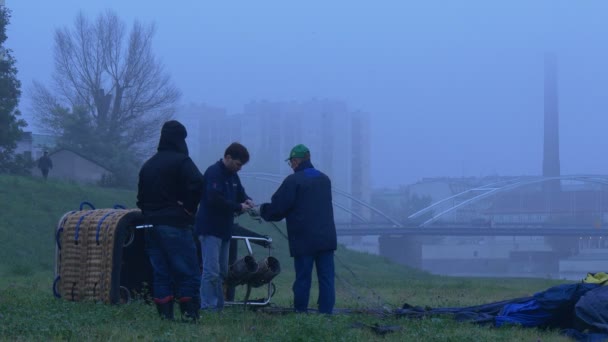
x=452, y=88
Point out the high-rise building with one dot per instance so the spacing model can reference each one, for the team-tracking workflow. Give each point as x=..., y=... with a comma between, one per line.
x=338, y=137
x=210, y=131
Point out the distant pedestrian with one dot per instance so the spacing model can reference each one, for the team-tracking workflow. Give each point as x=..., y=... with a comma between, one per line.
x=45, y=163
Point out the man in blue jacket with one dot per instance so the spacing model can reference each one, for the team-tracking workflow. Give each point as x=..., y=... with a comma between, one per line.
x=223, y=198
x=304, y=199
x=168, y=193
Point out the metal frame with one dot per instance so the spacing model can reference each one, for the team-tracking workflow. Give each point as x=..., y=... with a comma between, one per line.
x=270, y=285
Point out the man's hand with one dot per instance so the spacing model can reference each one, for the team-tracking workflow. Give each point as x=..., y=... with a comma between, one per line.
x=245, y=206
x=254, y=212
x=250, y=203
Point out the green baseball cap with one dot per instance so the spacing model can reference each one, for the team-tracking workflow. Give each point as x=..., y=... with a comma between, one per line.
x=298, y=151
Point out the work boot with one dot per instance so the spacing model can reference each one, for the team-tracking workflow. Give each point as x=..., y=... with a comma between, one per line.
x=165, y=307
x=190, y=306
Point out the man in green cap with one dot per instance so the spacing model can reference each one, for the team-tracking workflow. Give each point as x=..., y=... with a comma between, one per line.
x=304, y=199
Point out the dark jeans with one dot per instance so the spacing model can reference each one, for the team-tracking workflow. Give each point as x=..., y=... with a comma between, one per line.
x=172, y=253
x=324, y=262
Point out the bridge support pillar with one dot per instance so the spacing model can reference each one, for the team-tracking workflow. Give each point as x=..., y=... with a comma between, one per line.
x=405, y=250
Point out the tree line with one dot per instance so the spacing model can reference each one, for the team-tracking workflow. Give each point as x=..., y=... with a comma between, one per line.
x=108, y=95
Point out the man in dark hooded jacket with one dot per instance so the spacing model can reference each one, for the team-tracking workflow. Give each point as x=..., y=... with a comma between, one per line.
x=304, y=199
x=169, y=191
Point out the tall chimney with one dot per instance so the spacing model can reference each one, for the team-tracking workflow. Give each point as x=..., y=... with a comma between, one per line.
x=551, y=165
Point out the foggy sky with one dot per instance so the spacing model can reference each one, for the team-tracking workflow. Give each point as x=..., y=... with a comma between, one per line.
x=454, y=88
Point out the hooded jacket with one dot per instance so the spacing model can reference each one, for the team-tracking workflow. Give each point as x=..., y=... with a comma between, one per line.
x=170, y=185
x=304, y=199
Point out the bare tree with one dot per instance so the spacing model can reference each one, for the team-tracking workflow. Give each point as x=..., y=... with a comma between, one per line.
x=113, y=77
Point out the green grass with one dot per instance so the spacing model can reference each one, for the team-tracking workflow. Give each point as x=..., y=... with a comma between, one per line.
x=28, y=310
x=31, y=209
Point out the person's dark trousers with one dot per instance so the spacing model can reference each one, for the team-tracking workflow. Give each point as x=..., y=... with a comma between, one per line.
x=324, y=262
x=45, y=173
x=232, y=255
x=172, y=253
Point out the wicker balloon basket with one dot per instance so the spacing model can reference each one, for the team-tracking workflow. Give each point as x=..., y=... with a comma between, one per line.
x=100, y=256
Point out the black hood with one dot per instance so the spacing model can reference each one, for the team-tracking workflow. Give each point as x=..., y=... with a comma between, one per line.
x=173, y=137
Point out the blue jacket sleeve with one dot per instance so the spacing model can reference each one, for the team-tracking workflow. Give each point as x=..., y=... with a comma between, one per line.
x=215, y=196
x=281, y=203
x=241, y=195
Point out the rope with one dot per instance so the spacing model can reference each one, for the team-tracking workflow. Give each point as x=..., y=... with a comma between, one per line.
x=55, y=291
x=383, y=308
x=77, y=232
x=82, y=204
x=100, y=223
x=278, y=229
x=377, y=304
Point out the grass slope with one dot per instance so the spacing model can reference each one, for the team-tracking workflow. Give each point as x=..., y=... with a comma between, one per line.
x=31, y=209
x=28, y=311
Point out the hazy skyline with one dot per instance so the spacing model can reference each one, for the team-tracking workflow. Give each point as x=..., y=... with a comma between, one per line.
x=453, y=88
